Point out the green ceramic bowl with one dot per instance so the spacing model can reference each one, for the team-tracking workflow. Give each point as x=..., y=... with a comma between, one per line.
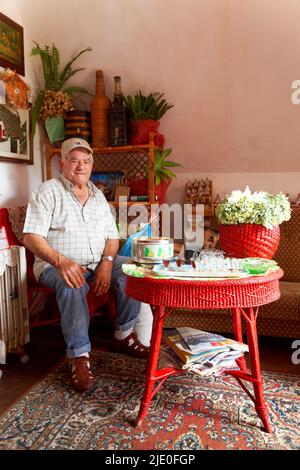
x=258, y=265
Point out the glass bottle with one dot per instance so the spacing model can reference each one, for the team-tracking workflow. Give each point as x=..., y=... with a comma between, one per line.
x=118, y=118
x=118, y=95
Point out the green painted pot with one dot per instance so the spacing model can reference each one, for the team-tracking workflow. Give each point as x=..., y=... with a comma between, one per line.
x=55, y=128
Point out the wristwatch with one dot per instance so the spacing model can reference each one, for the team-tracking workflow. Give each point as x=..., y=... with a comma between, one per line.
x=108, y=258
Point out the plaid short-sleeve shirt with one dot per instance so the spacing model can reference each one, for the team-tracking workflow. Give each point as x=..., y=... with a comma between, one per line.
x=77, y=231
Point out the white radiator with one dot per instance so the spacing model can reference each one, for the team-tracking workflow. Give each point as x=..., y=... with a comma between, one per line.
x=14, y=320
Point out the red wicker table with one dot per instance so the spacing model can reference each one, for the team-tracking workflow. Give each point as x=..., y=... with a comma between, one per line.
x=242, y=296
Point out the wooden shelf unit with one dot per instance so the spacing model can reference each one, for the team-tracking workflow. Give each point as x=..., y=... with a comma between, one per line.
x=134, y=159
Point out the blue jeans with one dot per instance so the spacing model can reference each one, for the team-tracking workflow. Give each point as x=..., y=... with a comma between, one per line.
x=74, y=310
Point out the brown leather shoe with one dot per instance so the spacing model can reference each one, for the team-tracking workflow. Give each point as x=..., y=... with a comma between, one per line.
x=81, y=375
x=131, y=345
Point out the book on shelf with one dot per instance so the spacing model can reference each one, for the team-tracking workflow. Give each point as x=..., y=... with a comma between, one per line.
x=139, y=198
x=198, y=340
x=175, y=342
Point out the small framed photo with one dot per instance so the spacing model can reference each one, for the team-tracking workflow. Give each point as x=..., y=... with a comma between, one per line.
x=107, y=181
x=11, y=45
x=122, y=190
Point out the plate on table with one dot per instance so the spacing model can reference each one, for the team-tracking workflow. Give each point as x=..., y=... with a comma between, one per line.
x=149, y=262
x=187, y=271
x=203, y=274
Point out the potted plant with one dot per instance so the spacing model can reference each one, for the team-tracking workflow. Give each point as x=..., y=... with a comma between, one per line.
x=163, y=176
x=249, y=223
x=55, y=100
x=145, y=113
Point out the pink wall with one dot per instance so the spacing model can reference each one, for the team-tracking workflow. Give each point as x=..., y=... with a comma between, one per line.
x=17, y=180
x=227, y=65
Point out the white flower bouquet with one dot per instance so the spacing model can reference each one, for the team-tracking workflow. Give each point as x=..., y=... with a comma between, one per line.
x=259, y=208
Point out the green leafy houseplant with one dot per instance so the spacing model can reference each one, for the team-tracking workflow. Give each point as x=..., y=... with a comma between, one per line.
x=55, y=99
x=162, y=171
x=260, y=208
x=142, y=107
x=163, y=175
x=145, y=113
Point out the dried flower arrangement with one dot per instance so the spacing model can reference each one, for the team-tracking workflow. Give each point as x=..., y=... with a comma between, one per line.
x=55, y=103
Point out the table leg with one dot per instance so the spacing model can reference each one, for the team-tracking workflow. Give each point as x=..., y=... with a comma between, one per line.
x=260, y=404
x=238, y=334
x=158, y=316
x=254, y=375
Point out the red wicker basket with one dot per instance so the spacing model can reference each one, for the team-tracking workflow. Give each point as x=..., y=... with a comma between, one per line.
x=249, y=240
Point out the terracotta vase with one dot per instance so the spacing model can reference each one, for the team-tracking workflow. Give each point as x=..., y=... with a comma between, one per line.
x=161, y=191
x=140, y=130
x=99, y=114
x=249, y=240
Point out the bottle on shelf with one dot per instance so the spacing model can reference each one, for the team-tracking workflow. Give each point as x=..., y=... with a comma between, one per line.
x=99, y=113
x=118, y=118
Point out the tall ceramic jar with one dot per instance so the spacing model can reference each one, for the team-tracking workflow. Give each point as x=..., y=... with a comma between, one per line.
x=99, y=113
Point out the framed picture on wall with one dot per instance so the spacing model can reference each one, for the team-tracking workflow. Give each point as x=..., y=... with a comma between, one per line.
x=11, y=45
x=16, y=144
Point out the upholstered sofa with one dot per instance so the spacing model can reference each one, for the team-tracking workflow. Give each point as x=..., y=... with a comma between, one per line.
x=280, y=318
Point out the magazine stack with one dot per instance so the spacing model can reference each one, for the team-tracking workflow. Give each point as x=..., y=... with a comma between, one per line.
x=199, y=351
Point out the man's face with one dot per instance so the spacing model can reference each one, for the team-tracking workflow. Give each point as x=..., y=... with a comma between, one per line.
x=77, y=166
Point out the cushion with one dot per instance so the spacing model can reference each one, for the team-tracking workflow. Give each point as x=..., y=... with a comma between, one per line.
x=5, y=222
x=288, y=254
x=285, y=308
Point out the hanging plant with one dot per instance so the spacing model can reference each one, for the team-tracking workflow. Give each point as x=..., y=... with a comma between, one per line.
x=56, y=98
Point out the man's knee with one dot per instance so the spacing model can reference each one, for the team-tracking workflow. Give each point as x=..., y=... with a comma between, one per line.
x=60, y=287
x=63, y=289
x=121, y=282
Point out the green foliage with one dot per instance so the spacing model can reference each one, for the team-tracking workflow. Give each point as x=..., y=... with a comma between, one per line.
x=54, y=79
x=162, y=166
x=258, y=208
x=142, y=107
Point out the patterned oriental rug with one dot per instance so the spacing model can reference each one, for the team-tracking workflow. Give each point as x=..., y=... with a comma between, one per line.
x=188, y=413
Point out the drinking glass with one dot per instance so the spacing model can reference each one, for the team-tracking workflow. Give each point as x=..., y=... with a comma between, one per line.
x=166, y=263
x=179, y=263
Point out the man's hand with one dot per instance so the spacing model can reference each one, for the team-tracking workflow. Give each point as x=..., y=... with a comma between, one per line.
x=71, y=272
x=102, y=277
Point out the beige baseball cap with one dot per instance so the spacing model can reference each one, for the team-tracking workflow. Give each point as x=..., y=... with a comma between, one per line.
x=74, y=143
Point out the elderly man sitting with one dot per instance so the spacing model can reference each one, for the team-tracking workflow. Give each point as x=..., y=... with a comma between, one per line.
x=73, y=235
